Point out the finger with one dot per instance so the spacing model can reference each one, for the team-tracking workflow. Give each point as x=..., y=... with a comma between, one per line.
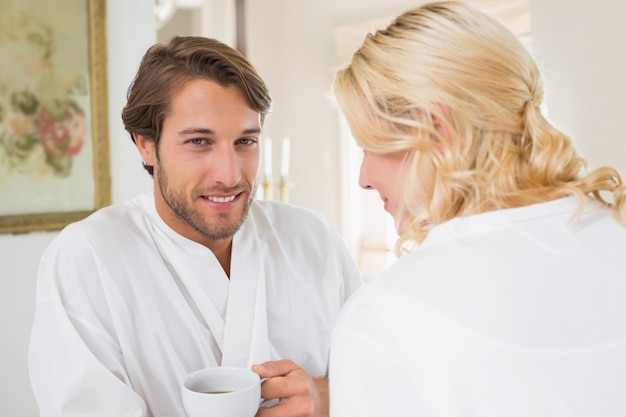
x=275, y=368
x=297, y=383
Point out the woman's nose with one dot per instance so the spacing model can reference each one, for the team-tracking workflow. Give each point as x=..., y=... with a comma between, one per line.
x=363, y=178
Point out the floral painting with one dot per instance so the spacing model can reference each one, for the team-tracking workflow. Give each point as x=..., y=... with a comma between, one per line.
x=53, y=145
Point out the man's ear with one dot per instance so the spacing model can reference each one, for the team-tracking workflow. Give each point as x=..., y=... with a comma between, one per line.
x=146, y=148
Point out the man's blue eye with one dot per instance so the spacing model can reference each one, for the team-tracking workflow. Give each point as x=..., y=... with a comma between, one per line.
x=247, y=141
x=196, y=141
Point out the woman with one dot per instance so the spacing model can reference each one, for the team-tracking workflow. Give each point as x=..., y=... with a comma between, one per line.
x=509, y=299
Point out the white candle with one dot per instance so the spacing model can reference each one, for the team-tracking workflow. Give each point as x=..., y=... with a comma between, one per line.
x=267, y=159
x=284, y=167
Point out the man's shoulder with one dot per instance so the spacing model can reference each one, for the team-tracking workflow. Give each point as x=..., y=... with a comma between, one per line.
x=283, y=214
x=117, y=222
x=289, y=223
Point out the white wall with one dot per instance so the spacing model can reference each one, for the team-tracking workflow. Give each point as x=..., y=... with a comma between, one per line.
x=291, y=42
x=582, y=47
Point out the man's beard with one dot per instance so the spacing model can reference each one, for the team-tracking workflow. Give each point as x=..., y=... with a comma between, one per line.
x=185, y=212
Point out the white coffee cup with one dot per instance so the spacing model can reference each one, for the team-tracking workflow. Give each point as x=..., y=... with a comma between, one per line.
x=221, y=392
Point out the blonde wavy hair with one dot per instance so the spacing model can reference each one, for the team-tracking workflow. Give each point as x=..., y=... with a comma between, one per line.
x=447, y=67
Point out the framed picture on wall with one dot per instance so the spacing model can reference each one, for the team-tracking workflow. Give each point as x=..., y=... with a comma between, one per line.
x=54, y=153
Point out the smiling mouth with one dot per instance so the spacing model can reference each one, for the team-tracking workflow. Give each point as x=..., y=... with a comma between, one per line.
x=226, y=199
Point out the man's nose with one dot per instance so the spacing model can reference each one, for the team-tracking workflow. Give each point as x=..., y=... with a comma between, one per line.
x=225, y=167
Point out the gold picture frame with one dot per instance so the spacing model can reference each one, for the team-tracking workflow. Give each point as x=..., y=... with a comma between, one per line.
x=54, y=146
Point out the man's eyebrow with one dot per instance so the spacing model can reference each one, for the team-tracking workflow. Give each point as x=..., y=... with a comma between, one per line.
x=195, y=131
x=205, y=131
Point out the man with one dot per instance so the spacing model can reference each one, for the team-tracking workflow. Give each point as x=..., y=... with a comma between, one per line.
x=200, y=274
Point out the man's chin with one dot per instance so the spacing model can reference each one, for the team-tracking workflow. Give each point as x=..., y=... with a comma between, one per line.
x=226, y=225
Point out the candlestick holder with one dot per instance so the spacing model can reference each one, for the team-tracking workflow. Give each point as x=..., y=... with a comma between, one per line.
x=268, y=189
x=284, y=188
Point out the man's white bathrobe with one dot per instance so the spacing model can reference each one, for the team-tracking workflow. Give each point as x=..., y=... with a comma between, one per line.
x=126, y=307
